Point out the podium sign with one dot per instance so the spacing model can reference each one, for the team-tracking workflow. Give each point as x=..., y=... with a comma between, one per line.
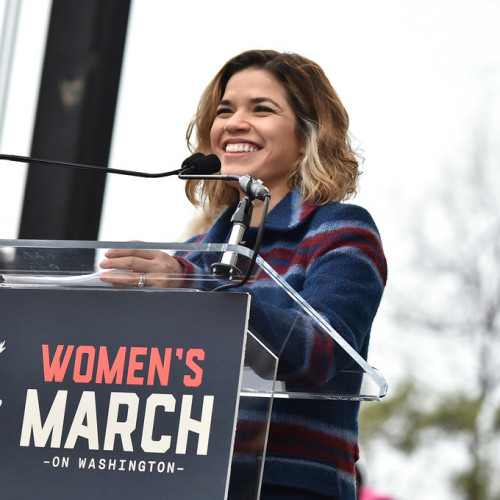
x=109, y=393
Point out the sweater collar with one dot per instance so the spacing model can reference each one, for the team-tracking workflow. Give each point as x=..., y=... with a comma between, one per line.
x=290, y=212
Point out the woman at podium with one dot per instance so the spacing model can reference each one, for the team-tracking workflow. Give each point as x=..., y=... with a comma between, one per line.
x=276, y=117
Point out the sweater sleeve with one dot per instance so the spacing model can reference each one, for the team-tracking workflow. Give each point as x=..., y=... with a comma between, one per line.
x=339, y=269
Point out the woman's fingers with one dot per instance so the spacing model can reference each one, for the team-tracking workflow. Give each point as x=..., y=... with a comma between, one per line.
x=131, y=252
x=122, y=278
x=138, y=260
x=145, y=268
x=126, y=262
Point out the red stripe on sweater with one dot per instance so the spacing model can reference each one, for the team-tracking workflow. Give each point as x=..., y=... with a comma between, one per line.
x=306, y=443
x=313, y=437
x=340, y=463
x=371, y=247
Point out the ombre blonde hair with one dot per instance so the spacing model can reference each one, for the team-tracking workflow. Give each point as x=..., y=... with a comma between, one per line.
x=328, y=169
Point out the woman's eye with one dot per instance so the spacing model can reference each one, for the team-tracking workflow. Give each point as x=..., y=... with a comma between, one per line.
x=222, y=111
x=264, y=109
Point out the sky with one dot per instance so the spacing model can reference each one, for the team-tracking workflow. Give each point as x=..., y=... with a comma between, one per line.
x=417, y=78
x=409, y=74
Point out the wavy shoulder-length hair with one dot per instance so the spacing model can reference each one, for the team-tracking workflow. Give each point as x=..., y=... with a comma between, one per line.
x=328, y=169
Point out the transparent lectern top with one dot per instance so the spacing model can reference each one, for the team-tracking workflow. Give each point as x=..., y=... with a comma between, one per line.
x=276, y=332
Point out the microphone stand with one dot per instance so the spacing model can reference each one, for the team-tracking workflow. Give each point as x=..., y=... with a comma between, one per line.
x=240, y=222
x=253, y=189
x=258, y=243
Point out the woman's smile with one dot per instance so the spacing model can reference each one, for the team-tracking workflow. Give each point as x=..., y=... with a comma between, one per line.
x=235, y=146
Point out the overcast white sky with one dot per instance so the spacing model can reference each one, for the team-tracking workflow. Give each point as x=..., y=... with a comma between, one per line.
x=416, y=77
x=410, y=73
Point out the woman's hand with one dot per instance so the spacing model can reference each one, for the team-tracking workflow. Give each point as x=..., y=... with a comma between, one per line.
x=152, y=268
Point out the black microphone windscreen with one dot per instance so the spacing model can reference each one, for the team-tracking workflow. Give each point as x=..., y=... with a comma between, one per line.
x=205, y=165
x=188, y=162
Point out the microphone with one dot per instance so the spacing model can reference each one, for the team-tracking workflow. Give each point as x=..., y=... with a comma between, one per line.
x=253, y=189
x=200, y=165
x=189, y=164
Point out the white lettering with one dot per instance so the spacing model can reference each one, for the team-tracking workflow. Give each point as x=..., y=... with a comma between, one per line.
x=200, y=427
x=60, y=462
x=86, y=411
x=32, y=421
x=125, y=428
x=148, y=444
x=121, y=423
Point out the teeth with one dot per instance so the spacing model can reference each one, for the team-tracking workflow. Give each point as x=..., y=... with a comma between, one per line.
x=241, y=148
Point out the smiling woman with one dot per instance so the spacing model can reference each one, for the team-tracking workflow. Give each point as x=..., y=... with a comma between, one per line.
x=285, y=90
x=275, y=116
x=255, y=131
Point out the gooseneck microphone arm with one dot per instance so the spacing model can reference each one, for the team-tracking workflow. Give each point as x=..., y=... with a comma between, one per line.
x=186, y=165
x=253, y=189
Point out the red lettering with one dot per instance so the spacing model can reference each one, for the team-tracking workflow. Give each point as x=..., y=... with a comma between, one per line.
x=115, y=371
x=89, y=352
x=134, y=365
x=156, y=365
x=90, y=364
x=194, y=381
x=55, y=370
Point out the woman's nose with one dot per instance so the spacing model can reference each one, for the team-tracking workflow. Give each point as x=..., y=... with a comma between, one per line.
x=237, y=121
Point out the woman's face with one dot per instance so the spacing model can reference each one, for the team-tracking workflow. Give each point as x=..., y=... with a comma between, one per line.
x=255, y=130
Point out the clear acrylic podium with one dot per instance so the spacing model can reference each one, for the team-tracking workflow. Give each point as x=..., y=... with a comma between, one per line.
x=43, y=279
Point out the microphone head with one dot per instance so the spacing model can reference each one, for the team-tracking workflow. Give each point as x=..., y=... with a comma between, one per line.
x=188, y=162
x=203, y=165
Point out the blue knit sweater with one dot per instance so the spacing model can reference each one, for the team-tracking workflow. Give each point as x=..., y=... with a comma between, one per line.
x=332, y=256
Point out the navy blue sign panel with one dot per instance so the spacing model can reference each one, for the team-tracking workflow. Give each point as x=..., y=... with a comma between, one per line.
x=118, y=393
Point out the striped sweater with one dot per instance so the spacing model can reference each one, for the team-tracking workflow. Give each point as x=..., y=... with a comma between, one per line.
x=332, y=256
